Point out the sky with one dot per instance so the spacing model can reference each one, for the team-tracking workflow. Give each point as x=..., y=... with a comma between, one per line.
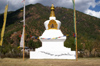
x=90, y=7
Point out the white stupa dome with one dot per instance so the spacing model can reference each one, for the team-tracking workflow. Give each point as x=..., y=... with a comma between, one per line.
x=52, y=23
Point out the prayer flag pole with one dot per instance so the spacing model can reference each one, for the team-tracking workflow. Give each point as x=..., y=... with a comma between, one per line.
x=75, y=30
x=24, y=30
x=4, y=24
x=3, y=27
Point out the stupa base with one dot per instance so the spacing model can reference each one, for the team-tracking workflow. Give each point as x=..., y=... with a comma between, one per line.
x=52, y=55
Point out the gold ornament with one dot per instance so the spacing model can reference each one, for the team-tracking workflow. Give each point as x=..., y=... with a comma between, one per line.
x=52, y=24
x=52, y=11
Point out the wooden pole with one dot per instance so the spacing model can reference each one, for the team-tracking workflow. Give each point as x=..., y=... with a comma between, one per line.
x=24, y=31
x=75, y=29
x=3, y=28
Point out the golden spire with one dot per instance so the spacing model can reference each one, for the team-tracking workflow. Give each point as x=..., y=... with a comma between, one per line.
x=52, y=11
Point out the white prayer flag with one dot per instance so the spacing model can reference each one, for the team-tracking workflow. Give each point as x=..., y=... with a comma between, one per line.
x=22, y=39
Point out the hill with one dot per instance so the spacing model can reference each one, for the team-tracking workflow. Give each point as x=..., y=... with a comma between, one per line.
x=88, y=27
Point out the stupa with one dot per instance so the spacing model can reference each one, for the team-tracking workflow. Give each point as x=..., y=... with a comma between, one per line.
x=52, y=42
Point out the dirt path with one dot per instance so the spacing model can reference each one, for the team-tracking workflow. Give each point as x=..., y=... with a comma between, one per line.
x=49, y=62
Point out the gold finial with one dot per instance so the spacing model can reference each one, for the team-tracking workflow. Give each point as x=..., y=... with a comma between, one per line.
x=52, y=7
x=52, y=11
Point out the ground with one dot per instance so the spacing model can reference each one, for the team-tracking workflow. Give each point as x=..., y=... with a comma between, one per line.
x=49, y=62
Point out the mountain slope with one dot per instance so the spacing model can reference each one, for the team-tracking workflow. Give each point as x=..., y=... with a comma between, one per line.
x=88, y=27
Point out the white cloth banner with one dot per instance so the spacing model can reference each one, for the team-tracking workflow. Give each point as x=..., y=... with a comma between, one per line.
x=22, y=39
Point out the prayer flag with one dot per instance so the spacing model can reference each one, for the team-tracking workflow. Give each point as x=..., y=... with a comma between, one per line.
x=4, y=24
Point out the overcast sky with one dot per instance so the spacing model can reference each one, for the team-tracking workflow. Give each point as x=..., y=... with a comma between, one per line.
x=91, y=7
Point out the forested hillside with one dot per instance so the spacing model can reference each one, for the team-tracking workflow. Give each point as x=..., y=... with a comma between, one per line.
x=88, y=28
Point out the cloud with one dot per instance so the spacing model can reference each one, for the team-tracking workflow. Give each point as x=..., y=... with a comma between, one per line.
x=93, y=13
x=81, y=5
x=32, y=1
x=2, y=6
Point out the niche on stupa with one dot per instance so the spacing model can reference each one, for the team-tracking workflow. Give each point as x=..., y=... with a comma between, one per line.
x=52, y=24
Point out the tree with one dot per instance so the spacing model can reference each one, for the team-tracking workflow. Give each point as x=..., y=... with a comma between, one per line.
x=31, y=44
x=70, y=43
x=89, y=46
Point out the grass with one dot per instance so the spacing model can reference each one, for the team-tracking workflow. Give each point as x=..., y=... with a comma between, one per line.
x=49, y=62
